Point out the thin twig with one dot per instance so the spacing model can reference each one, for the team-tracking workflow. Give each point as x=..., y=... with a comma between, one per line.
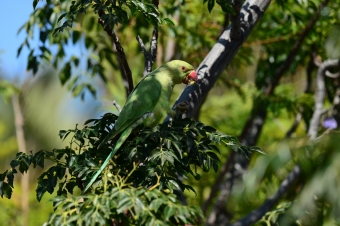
x=254, y=124
x=150, y=56
x=257, y=214
x=295, y=125
x=126, y=71
x=291, y=56
x=332, y=75
x=117, y=106
x=141, y=44
x=320, y=96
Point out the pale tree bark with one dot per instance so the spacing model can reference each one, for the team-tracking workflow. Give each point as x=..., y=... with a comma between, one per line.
x=209, y=71
x=252, y=129
x=320, y=96
x=221, y=55
x=292, y=177
x=19, y=129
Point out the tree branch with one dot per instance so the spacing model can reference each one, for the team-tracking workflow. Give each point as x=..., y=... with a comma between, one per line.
x=125, y=69
x=308, y=89
x=235, y=30
x=19, y=129
x=257, y=214
x=320, y=96
x=150, y=56
x=221, y=55
x=254, y=124
x=290, y=58
x=295, y=125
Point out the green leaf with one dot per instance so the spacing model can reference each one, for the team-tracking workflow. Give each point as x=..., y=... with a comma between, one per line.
x=91, y=89
x=167, y=21
x=35, y=2
x=62, y=133
x=176, y=145
x=3, y=175
x=169, y=211
x=38, y=159
x=24, y=165
x=257, y=149
x=211, y=4
x=19, y=50
x=43, y=36
x=65, y=74
x=174, y=184
x=155, y=204
x=77, y=90
x=10, y=176
x=61, y=17
x=5, y=190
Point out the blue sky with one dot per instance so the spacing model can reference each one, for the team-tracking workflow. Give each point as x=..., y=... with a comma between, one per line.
x=13, y=14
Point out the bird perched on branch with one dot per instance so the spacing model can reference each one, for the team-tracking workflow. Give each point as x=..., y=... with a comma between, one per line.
x=148, y=103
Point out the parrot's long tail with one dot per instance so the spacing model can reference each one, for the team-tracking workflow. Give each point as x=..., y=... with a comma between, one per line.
x=113, y=152
x=119, y=143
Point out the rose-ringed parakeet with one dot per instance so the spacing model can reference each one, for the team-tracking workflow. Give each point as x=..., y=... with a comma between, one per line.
x=148, y=103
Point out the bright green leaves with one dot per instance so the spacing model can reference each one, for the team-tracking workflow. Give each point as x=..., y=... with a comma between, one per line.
x=69, y=17
x=133, y=206
x=7, y=90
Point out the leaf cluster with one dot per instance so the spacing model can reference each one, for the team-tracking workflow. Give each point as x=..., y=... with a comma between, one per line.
x=140, y=184
x=225, y=5
x=128, y=206
x=56, y=20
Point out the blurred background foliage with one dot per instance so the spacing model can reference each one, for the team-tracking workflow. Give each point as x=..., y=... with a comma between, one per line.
x=82, y=58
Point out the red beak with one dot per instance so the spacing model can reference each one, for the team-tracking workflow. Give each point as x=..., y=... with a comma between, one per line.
x=191, y=78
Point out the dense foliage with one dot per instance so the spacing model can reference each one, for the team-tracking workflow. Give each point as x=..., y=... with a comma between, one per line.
x=138, y=186
x=269, y=96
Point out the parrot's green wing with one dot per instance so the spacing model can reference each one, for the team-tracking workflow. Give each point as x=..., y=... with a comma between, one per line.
x=141, y=101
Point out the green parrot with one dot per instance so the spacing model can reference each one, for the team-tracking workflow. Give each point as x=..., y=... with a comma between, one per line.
x=148, y=103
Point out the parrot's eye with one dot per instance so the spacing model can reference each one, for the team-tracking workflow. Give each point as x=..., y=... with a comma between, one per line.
x=183, y=68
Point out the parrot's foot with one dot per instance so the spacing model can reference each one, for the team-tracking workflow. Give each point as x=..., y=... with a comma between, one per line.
x=182, y=107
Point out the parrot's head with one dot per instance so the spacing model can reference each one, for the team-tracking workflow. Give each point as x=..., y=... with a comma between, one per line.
x=181, y=72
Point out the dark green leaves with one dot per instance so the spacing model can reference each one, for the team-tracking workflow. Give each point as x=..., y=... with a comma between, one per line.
x=35, y=2
x=6, y=187
x=225, y=5
x=5, y=190
x=65, y=74
x=24, y=161
x=211, y=4
x=141, y=177
x=48, y=180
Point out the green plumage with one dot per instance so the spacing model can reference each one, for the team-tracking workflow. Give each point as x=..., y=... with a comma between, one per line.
x=148, y=103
